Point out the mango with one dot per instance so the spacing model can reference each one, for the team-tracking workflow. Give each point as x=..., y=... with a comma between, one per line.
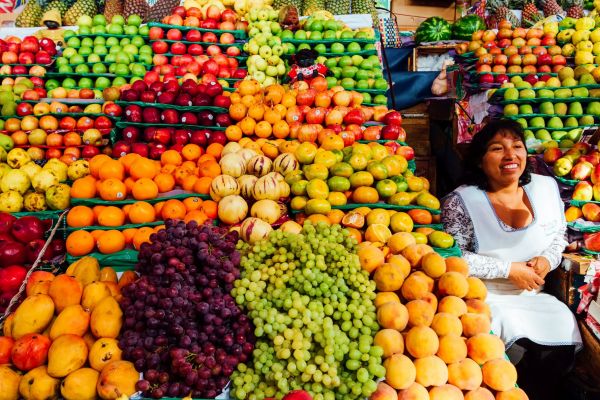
x=80, y=384
x=89, y=340
x=428, y=200
x=93, y=293
x=33, y=315
x=9, y=383
x=126, y=278
x=38, y=385
x=67, y=353
x=116, y=379
x=7, y=328
x=73, y=319
x=106, y=318
x=107, y=274
x=86, y=270
x=103, y=351
x=65, y=291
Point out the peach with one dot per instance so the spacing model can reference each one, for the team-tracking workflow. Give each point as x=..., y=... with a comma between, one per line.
x=420, y=313
x=431, y=300
x=474, y=324
x=485, y=347
x=391, y=341
x=453, y=349
x=453, y=284
x=446, y=324
x=385, y=297
x=465, y=374
x=399, y=241
x=445, y=392
x=388, y=277
x=392, y=315
x=400, y=371
x=431, y=371
x=415, y=252
x=477, y=289
x=65, y=291
x=415, y=391
x=479, y=394
x=401, y=262
x=415, y=287
x=453, y=305
x=370, y=258
x=421, y=341
x=479, y=307
x=384, y=392
x=457, y=264
x=499, y=374
x=433, y=265
x=512, y=394
x=430, y=281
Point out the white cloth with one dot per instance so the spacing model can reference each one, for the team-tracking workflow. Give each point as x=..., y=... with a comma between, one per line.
x=516, y=313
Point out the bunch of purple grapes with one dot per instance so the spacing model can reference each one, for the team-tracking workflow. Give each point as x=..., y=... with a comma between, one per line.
x=181, y=326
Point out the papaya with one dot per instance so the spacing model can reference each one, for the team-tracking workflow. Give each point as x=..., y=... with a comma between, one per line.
x=116, y=379
x=103, y=351
x=65, y=291
x=106, y=318
x=32, y=316
x=9, y=383
x=38, y=385
x=80, y=385
x=67, y=353
x=73, y=319
x=93, y=293
x=86, y=270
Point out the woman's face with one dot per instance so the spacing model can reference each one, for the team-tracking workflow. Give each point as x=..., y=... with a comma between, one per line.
x=505, y=159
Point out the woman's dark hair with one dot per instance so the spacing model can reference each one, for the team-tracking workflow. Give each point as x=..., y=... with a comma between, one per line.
x=473, y=173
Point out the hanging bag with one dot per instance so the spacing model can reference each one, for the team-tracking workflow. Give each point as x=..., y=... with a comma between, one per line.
x=388, y=26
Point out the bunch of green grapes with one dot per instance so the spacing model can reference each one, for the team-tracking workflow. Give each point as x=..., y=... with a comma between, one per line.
x=314, y=317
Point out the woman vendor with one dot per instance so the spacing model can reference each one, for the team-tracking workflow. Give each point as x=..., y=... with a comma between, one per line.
x=510, y=226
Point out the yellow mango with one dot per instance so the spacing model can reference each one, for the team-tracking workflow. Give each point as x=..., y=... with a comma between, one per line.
x=65, y=291
x=116, y=379
x=106, y=318
x=80, y=384
x=9, y=383
x=73, y=319
x=107, y=274
x=93, y=293
x=38, y=385
x=7, y=328
x=32, y=316
x=103, y=351
x=89, y=340
x=67, y=353
x=86, y=270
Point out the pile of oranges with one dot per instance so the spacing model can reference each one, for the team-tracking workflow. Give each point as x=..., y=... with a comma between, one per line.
x=140, y=178
x=82, y=242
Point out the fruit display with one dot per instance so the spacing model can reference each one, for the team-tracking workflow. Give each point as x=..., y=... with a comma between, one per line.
x=312, y=307
x=265, y=63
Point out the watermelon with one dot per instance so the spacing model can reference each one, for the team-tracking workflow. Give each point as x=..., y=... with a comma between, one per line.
x=433, y=29
x=464, y=27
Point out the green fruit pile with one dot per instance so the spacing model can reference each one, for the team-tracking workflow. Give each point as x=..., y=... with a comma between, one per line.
x=357, y=73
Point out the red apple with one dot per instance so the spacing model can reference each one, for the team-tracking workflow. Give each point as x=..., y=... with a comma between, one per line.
x=131, y=133
x=162, y=135
x=121, y=148
x=199, y=138
x=155, y=150
x=160, y=47
x=140, y=148
x=174, y=34
x=156, y=33
x=169, y=116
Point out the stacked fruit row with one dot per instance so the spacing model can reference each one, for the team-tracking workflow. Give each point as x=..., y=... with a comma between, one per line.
x=29, y=56
x=266, y=63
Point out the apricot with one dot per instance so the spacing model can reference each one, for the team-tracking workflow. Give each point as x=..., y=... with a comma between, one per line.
x=415, y=391
x=453, y=284
x=399, y=241
x=479, y=394
x=431, y=300
x=477, y=289
x=400, y=371
x=370, y=258
x=391, y=341
x=420, y=313
x=453, y=349
x=385, y=297
x=415, y=287
x=457, y=264
x=421, y=341
x=485, y=347
x=388, y=277
x=431, y=371
x=446, y=324
x=401, y=262
x=465, y=374
x=453, y=305
x=499, y=374
x=384, y=392
x=474, y=324
x=512, y=394
x=392, y=315
x=415, y=252
x=428, y=279
x=433, y=265
x=479, y=307
x=445, y=392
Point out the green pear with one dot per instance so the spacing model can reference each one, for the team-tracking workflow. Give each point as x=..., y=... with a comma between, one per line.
x=511, y=94
x=522, y=122
x=516, y=79
x=571, y=122
x=579, y=71
x=527, y=94
x=539, y=84
x=586, y=79
x=547, y=108
x=563, y=93
x=555, y=123
x=525, y=109
x=528, y=135
x=566, y=144
x=566, y=72
x=575, y=134
x=6, y=142
x=593, y=108
x=560, y=109
x=575, y=108
x=543, y=135
x=511, y=110
x=9, y=109
x=545, y=94
x=27, y=82
x=580, y=92
x=586, y=120
x=523, y=85
x=6, y=97
x=569, y=82
x=537, y=122
x=553, y=82
x=558, y=135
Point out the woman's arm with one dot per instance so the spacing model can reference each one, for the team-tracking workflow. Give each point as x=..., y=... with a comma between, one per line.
x=553, y=253
x=457, y=222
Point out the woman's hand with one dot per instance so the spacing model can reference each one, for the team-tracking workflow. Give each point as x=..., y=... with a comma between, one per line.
x=540, y=265
x=524, y=277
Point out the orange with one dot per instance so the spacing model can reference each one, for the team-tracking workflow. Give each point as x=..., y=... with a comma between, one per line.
x=206, y=157
x=168, y=169
x=129, y=159
x=202, y=185
x=96, y=234
x=189, y=166
x=195, y=215
x=355, y=233
x=192, y=203
x=129, y=182
x=280, y=109
x=210, y=208
x=113, y=190
x=335, y=216
x=233, y=133
x=128, y=234
x=84, y=188
x=422, y=217
x=171, y=157
x=365, y=194
x=141, y=212
x=316, y=218
x=111, y=216
x=159, y=227
x=111, y=241
x=97, y=210
x=158, y=207
x=144, y=189
x=215, y=150
x=80, y=243
x=191, y=152
x=263, y=129
x=80, y=216
x=96, y=162
x=256, y=112
x=112, y=169
x=235, y=98
x=189, y=182
x=173, y=209
x=143, y=168
x=181, y=173
x=237, y=110
x=142, y=236
x=209, y=169
x=281, y=129
x=164, y=182
x=247, y=126
x=126, y=209
x=271, y=116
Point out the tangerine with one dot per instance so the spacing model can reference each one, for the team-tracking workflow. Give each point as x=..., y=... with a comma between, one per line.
x=195, y=215
x=80, y=216
x=144, y=189
x=128, y=159
x=202, y=185
x=158, y=207
x=215, y=150
x=95, y=164
x=111, y=216
x=171, y=157
x=421, y=217
x=263, y=129
x=128, y=234
x=210, y=208
x=173, y=209
x=84, y=188
x=237, y=110
x=281, y=129
x=192, y=203
x=209, y=169
x=159, y=227
x=97, y=210
x=113, y=190
x=142, y=236
x=129, y=182
x=164, y=182
x=80, y=243
x=191, y=152
x=143, y=168
x=233, y=133
x=365, y=194
x=188, y=182
x=112, y=169
x=96, y=234
x=142, y=212
x=110, y=242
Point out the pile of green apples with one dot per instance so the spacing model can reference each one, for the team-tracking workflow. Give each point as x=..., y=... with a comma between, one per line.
x=357, y=73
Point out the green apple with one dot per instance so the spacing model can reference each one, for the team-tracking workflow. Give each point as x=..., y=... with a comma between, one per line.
x=82, y=69
x=300, y=35
x=85, y=51
x=51, y=84
x=331, y=62
x=115, y=49
x=98, y=29
x=522, y=122
x=76, y=59
x=99, y=19
x=110, y=58
x=286, y=34
x=69, y=83
x=367, y=98
x=143, y=30
x=528, y=135
x=87, y=42
x=124, y=41
x=539, y=84
x=122, y=58
x=138, y=41
x=112, y=41
x=99, y=68
x=137, y=69
x=527, y=94
x=320, y=48
x=69, y=33
x=362, y=84
x=119, y=81
x=348, y=83
x=69, y=52
x=554, y=123
x=74, y=42
x=102, y=82
x=547, y=108
x=380, y=99
x=537, y=122
x=347, y=34
x=65, y=69
x=99, y=51
x=61, y=61
x=303, y=46
x=361, y=75
x=84, y=20
x=357, y=60
x=336, y=71
x=381, y=84
x=337, y=48
x=145, y=49
x=329, y=35
x=511, y=94
x=510, y=110
x=316, y=35
x=353, y=47
x=130, y=49
x=345, y=61
x=593, y=108
x=523, y=85
x=349, y=72
x=86, y=83
x=332, y=81
x=118, y=20
x=134, y=20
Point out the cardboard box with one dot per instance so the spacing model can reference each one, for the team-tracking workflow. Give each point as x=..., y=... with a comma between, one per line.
x=577, y=263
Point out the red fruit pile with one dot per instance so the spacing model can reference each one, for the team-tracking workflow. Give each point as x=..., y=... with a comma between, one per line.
x=211, y=17
x=28, y=51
